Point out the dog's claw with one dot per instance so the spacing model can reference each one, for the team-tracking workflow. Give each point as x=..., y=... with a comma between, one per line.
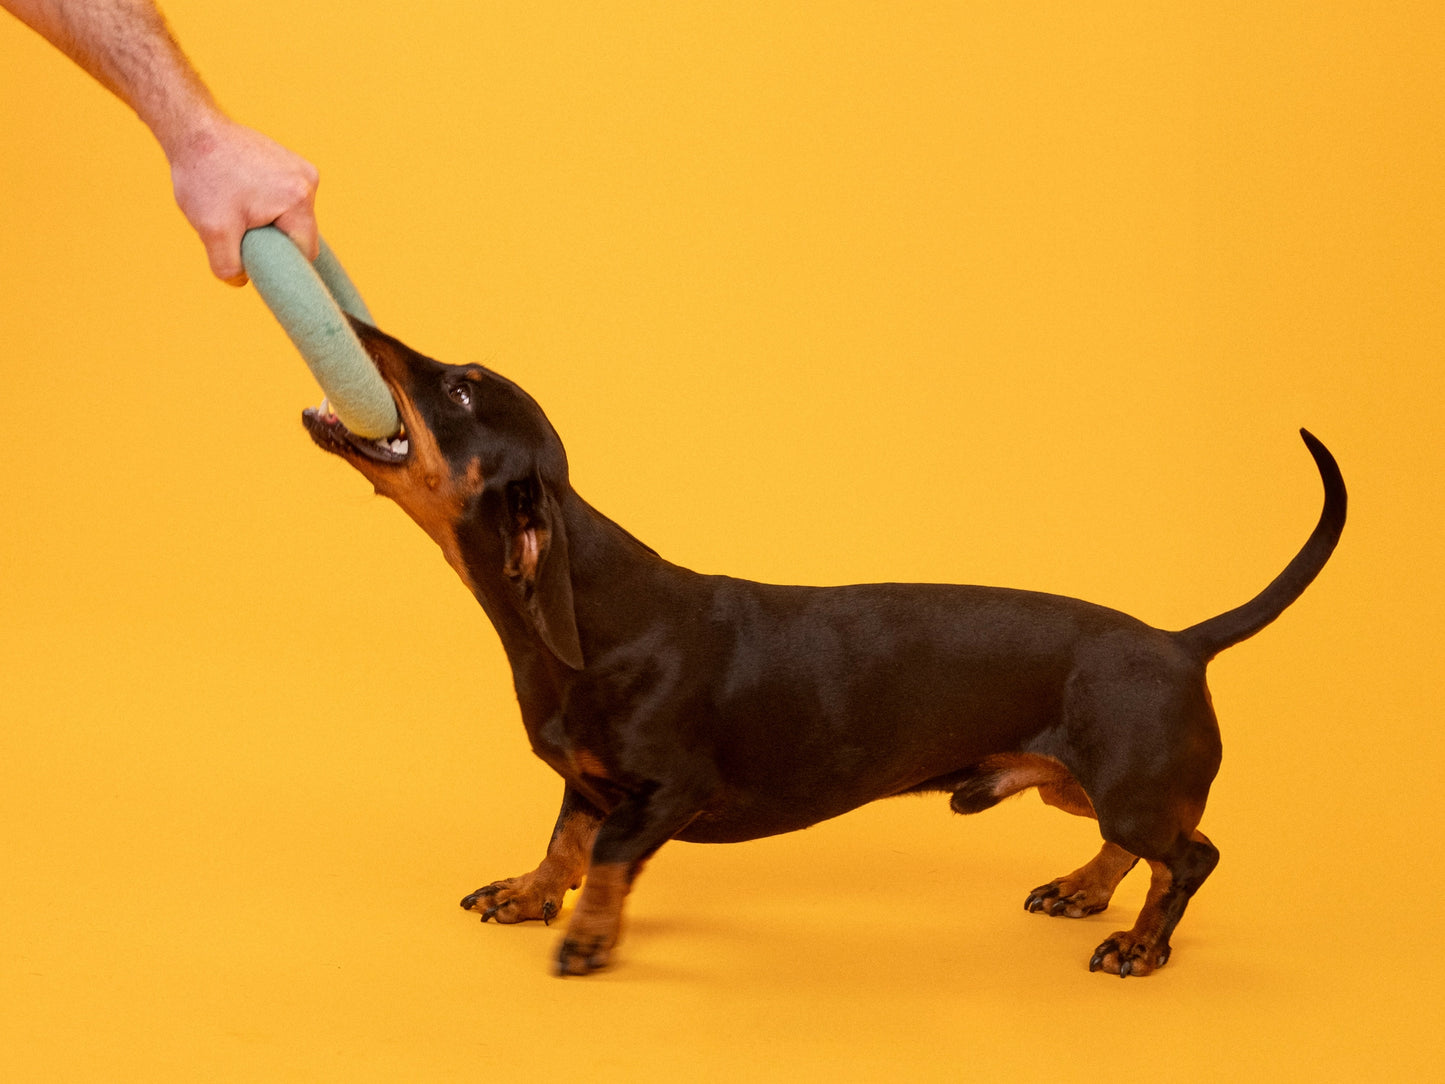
x=1061, y=899
x=549, y=912
x=469, y=903
x=1101, y=955
x=1130, y=958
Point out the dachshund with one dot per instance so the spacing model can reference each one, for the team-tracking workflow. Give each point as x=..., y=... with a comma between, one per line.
x=710, y=709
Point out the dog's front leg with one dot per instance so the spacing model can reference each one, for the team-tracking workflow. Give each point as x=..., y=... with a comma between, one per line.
x=539, y=894
x=630, y=835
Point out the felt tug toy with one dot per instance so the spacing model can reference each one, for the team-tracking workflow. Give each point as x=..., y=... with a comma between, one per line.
x=310, y=302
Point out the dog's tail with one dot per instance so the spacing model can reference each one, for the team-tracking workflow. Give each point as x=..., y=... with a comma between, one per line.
x=1209, y=638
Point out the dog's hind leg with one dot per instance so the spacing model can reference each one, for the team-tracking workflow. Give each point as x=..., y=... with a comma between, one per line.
x=1087, y=890
x=1146, y=749
x=1145, y=948
x=1155, y=814
x=539, y=894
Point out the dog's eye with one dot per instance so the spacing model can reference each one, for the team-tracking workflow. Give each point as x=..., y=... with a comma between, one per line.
x=461, y=394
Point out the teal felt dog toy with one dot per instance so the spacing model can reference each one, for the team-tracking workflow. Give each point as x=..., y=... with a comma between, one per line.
x=311, y=302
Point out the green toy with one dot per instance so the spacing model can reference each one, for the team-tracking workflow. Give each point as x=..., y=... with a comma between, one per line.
x=310, y=301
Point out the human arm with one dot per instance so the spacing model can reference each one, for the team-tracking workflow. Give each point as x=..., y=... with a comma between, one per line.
x=227, y=177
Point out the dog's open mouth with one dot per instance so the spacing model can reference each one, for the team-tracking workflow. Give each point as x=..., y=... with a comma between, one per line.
x=326, y=429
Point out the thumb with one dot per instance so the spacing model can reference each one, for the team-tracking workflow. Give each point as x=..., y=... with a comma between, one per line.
x=223, y=251
x=299, y=224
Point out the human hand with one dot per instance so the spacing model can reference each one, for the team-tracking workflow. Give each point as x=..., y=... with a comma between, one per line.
x=230, y=178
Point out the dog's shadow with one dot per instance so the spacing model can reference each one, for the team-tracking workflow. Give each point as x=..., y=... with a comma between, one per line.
x=891, y=899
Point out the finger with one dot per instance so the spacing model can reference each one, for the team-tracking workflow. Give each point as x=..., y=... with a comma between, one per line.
x=299, y=224
x=223, y=250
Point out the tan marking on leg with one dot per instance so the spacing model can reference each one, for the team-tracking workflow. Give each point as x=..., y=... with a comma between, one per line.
x=1068, y=796
x=538, y=895
x=1145, y=948
x=597, y=923
x=1015, y=772
x=587, y=763
x=1003, y=775
x=1140, y=951
x=1087, y=890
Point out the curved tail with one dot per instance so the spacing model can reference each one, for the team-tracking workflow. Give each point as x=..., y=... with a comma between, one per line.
x=1209, y=638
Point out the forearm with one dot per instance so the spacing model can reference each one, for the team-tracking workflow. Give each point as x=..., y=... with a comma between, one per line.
x=227, y=178
x=127, y=47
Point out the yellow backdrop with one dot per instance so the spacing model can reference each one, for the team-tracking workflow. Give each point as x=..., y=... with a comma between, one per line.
x=1023, y=294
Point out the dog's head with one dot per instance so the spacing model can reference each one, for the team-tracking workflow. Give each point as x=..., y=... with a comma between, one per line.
x=481, y=470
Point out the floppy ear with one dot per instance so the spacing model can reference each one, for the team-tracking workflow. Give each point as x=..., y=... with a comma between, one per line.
x=538, y=568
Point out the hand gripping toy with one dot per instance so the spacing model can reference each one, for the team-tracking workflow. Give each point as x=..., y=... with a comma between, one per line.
x=311, y=302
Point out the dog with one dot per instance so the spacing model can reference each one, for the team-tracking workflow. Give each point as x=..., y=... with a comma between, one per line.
x=710, y=709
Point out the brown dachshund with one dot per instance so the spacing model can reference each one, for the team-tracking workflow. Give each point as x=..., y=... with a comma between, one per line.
x=711, y=709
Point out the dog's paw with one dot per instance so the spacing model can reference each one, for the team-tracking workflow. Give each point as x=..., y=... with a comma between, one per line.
x=1127, y=954
x=1067, y=898
x=516, y=899
x=582, y=955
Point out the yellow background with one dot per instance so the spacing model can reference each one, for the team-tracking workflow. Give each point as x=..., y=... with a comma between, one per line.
x=1025, y=294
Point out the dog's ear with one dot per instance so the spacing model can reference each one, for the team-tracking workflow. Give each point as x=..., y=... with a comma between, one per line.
x=536, y=564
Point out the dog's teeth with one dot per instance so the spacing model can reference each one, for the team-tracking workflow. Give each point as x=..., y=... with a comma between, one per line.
x=393, y=445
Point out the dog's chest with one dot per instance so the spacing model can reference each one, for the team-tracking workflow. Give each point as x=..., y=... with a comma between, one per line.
x=574, y=760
